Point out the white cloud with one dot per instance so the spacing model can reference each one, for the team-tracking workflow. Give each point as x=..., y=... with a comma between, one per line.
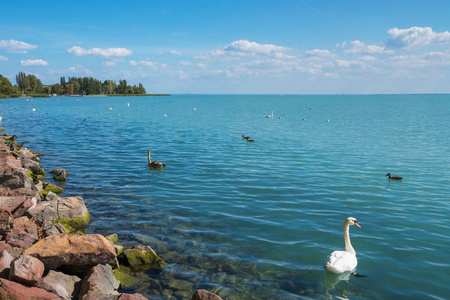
x=110, y=63
x=78, y=51
x=2, y=58
x=174, y=52
x=320, y=53
x=358, y=47
x=79, y=69
x=33, y=62
x=146, y=63
x=243, y=48
x=16, y=46
x=415, y=37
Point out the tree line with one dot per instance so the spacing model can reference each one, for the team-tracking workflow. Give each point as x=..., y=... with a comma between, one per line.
x=30, y=85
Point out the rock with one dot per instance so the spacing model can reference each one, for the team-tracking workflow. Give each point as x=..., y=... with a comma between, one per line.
x=4, y=246
x=205, y=295
x=53, y=228
x=16, y=291
x=113, y=238
x=26, y=269
x=50, y=187
x=5, y=263
x=73, y=250
x=143, y=257
x=6, y=220
x=51, y=197
x=14, y=178
x=18, y=205
x=125, y=279
x=65, y=286
x=99, y=282
x=59, y=175
x=71, y=212
x=23, y=233
x=135, y=296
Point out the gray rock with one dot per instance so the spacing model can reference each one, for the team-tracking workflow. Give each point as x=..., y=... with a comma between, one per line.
x=65, y=286
x=100, y=281
x=26, y=269
x=23, y=233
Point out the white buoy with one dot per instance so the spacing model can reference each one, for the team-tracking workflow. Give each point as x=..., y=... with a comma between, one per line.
x=34, y=109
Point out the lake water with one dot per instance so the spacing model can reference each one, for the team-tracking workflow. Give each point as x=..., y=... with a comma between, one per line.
x=257, y=220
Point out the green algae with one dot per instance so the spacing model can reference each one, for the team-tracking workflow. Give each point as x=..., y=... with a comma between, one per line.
x=127, y=278
x=75, y=225
x=143, y=258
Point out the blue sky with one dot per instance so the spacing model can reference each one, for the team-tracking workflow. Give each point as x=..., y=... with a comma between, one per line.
x=233, y=47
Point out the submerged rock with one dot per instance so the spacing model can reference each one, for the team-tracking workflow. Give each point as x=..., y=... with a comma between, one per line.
x=59, y=175
x=205, y=295
x=73, y=250
x=143, y=257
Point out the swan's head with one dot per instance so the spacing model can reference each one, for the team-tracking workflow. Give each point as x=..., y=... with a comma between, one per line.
x=352, y=221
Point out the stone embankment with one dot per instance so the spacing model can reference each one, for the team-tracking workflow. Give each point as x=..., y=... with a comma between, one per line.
x=44, y=253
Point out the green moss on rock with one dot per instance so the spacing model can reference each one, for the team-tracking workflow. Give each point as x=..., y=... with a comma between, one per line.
x=126, y=280
x=75, y=225
x=143, y=257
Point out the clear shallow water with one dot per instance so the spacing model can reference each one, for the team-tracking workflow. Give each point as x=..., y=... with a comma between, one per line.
x=257, y=220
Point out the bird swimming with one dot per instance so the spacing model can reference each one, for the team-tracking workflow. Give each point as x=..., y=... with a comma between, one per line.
x=394, y=177
x=154, y=164
x=245, y=137
x=250, y=141
x=343, y=261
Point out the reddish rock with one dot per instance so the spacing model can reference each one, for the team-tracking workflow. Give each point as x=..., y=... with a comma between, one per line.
x=68, y=208
x=16, y=291
x=23, y=233
x=5, y=263
x=205, y=295
x=73, y=250
x=4, y=246
x=26, y=269
x=135, y=296
x=18, y=205
x=65, y=286
x=99, y=281
x=6, y=220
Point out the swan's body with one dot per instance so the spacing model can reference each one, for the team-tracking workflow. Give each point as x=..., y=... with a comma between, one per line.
x=270, y=116
x=343, y=261
x=394, y=177
x=154, y=164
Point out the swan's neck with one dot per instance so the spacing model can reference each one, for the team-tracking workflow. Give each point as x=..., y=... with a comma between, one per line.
x=348, y=244
x=149, y=159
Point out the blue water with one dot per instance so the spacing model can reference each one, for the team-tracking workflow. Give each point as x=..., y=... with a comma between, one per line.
x=257, y=220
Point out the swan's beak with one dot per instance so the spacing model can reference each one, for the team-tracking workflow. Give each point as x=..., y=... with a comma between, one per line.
x=357, y=225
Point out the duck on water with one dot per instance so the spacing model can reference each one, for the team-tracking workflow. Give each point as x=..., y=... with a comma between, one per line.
x=394, y=177
x=154, y=164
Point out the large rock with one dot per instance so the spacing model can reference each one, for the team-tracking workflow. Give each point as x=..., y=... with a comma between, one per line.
x=65, y=286
x=26, y=269
x=205, y=295
x=70, y=212
x=12, y=290
x=143, y=257
x=12, y=177
x=73, y=250
x=99, y=282
x=23, y=233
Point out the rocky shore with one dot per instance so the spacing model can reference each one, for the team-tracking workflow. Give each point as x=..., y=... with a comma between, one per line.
x=44, y=253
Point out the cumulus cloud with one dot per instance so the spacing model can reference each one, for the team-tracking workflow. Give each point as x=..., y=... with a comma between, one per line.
x=16, y=46
x=78, y=51
x=358, y=47
x=415, y=37
x=79, y=69
x=174, y=52
x=110, y=63
x=244, y=48
x=2, y=58
x=33, y=62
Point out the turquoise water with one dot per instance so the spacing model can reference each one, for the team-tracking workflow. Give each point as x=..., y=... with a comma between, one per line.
x=257, y=220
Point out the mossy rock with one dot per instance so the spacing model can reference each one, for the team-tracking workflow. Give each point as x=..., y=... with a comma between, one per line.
x=75, y=225
x=37, y=177
x=59, y=175
x=143, y=257
x=50, y=187
x=125, y=278
x=113, y=238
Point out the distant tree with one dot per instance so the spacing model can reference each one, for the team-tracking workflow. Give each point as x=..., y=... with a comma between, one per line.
x=32, y=84
x=122, y=88
x=22, y=81
x=6, y=87
x=57, y=89
x=62, y=81
x=141, y=89
x=69, y=89
x=47, y=90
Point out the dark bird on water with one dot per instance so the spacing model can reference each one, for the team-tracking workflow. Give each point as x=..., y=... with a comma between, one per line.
x=250, y=141
x=154, y=164
x=394, y=177
x=245, y=137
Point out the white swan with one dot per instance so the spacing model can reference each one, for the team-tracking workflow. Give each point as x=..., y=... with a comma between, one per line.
x=343, y=261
